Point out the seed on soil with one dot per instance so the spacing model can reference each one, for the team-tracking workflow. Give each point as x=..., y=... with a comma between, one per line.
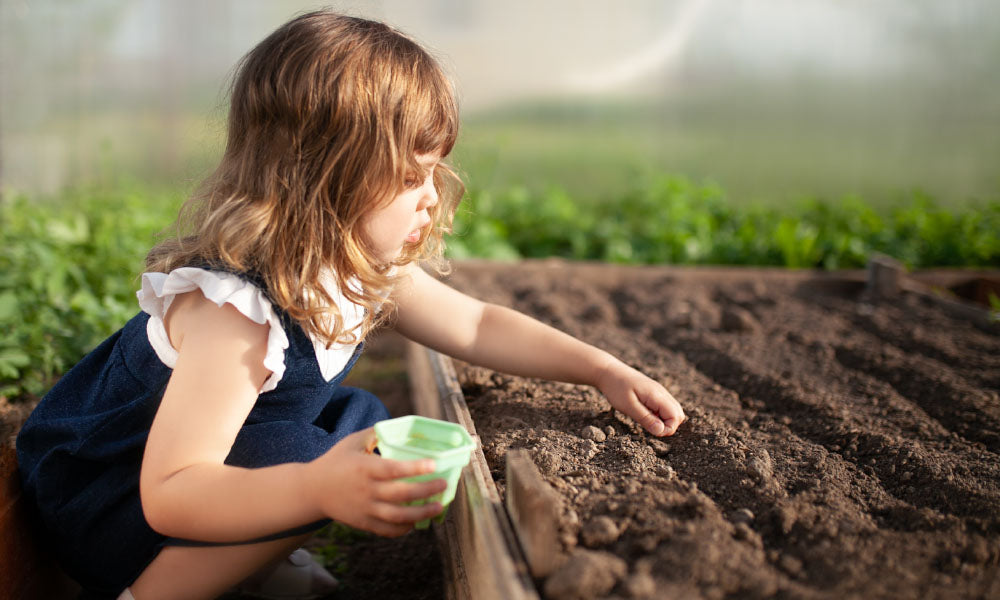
x=743, y=515
x=587, y=574
x=599, y=532
x=592, y=433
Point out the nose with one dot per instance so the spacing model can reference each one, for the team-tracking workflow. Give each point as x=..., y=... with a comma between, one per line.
x=429, y=197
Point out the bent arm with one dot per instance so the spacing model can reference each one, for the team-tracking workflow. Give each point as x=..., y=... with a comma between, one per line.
x=502, y=339
x=440, y=317
x=186, y=489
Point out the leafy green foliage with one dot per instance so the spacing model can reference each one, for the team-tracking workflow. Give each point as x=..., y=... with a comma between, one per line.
x=69, y=265
x=68, y=269
x=672, y=220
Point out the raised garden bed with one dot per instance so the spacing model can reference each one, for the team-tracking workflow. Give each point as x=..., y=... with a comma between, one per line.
x=839, y=446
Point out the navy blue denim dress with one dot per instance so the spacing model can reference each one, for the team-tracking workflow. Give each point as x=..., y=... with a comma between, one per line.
x=80, y=451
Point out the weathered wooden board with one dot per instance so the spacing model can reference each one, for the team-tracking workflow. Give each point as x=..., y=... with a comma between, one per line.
x=483, y=560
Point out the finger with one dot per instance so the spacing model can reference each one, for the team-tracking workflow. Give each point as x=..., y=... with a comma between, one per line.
x=669, y=410
x=400, y=514
x=387, y=469
x=643, y=416
x=384, y=529
x=360, y=440
x=400, y=492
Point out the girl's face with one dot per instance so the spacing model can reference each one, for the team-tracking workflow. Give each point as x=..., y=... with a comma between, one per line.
x=404, y=220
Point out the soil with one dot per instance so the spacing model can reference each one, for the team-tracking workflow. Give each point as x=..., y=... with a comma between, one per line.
x=837, y=447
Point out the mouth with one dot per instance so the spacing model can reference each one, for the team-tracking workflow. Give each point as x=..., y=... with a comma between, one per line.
x=417, y=233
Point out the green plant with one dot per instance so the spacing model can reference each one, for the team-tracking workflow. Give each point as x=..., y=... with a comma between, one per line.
x=68, y=268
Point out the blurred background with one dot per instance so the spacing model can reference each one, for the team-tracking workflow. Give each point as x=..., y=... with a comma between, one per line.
x=772, y=100
x=795, y=133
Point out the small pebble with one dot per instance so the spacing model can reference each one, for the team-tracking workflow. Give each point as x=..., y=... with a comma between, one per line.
x=790, y=564
x=665, y=471
x=738, y=319
x=640, y=585
x=609, y=431
x=742, y=531
x=586, y=574
x=978, y=551
x=592, y=433
x=659, y=447
x=547, y=462
x=599, y=531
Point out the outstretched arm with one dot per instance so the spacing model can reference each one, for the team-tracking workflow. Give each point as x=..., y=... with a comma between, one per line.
x=503, y=339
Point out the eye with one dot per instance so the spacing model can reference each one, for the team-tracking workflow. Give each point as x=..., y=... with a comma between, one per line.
x=412, y=181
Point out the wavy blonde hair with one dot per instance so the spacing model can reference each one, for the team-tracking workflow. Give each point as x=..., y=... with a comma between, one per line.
x=327, y=116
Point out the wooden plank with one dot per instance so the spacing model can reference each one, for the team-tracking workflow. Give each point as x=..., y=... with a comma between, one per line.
x=423, y=386
x=533, y=507
x=885, y=276
x=481, y=554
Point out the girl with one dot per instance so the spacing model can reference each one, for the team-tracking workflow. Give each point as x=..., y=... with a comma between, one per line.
x=207, y=438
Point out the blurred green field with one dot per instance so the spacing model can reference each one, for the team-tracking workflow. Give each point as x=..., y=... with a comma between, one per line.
x=770, y=147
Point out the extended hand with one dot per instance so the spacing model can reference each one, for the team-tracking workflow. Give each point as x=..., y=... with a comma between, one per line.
x=364, y=490
x=641, y=398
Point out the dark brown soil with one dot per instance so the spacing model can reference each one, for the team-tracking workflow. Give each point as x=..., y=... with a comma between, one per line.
x=837, y=447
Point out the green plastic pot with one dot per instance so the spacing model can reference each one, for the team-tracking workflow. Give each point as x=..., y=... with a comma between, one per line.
x=414, y=438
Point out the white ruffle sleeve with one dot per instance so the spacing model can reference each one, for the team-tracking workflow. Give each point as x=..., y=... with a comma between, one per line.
x=159, y=290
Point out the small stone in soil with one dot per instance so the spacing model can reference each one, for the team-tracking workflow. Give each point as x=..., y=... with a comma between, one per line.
x=599, y=532
x=547, y=462
x=790, y=564
x=665, y=471
x=760, y=466
x=640, y=585
x=659, y=447
x=592, y=433
x=609, y=431
x=586, y=574
x=738, y=319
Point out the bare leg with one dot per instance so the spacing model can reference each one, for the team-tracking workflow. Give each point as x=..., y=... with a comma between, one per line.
x=207, y=572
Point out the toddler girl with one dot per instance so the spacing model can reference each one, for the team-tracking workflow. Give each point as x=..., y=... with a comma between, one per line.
x=206, y=439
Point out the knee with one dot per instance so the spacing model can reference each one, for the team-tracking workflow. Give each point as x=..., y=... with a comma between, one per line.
x=352, y=409
x=369, y=407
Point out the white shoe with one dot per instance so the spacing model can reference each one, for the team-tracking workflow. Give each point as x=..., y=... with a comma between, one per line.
x=297, y=577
